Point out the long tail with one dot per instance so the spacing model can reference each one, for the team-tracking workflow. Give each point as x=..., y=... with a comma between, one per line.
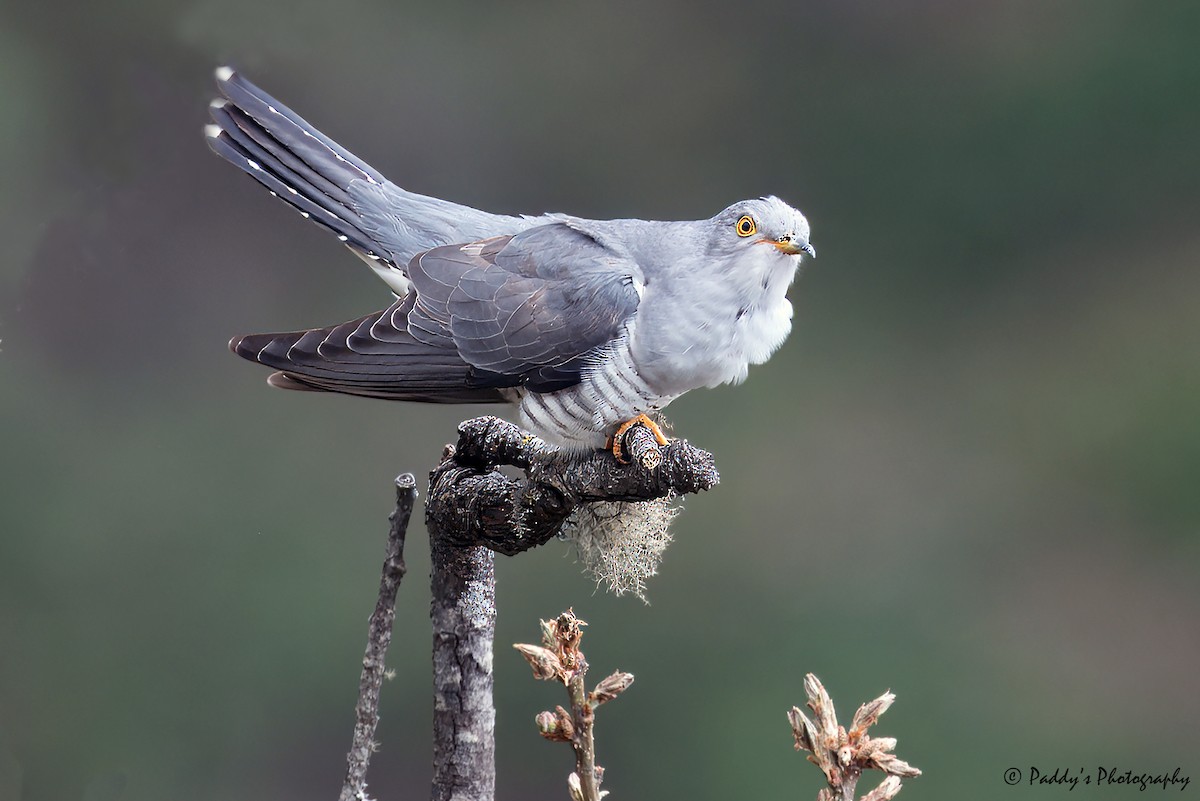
x=296, y=162
x=384, y=224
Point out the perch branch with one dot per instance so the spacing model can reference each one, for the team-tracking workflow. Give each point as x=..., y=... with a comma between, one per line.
x=366, y=711
x=463, y=612
x=476, y=504
x=473, y=511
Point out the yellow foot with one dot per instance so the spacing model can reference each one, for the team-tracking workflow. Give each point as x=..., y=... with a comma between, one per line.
x=641, y=419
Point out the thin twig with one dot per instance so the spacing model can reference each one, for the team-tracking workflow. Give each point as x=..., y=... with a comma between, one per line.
x=559, y=658
x=366, y=711
x=585, y=739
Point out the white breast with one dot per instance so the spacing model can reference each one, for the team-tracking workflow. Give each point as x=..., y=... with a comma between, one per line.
x=764, y=329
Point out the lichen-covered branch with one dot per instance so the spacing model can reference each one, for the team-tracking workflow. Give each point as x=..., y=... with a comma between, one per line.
x=474, y=503
x=473, y=510
x=843, y=755
x=379, y=636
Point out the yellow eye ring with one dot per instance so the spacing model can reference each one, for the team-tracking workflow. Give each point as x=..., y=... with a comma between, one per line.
x=746, y=226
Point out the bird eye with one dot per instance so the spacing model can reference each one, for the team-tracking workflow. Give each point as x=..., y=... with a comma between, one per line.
x=746, y=226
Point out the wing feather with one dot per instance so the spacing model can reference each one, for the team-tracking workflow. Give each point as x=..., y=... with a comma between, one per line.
x=373, y=356
x=528, y=310
x=532, y=307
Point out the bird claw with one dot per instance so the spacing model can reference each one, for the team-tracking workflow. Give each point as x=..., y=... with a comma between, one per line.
x=614, y=442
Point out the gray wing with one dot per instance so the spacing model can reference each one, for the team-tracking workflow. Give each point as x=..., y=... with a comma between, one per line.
x=527, y=310
x=533, y=307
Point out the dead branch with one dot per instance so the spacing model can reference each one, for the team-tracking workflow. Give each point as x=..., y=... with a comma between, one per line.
x=379, y=636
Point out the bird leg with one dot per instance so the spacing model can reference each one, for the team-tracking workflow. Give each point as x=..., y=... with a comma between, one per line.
x=615, y=440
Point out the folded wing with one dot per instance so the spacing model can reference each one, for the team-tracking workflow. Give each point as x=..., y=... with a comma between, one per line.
x=528, y=310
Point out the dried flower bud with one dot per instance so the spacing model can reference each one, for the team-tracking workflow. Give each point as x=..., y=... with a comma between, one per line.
x=822, y=706
x=881, y=743
x=576, y=788
x=547, y=725
x=568, y=632
x=842, y=755
x=886, y=791
x=609, y=688
x=545, y=663
x=869, y=713
x=803, y=730
x=555, y=725
x=890, y=763
x=870, y=746
x=549, y=633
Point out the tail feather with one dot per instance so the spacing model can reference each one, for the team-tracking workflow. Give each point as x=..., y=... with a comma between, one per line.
x=287, y=156
x=381, y=222
x=245, y=128
x=285, y=186
x=294, y=132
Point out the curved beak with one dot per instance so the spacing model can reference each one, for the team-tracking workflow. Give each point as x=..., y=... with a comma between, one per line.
x=791, y=245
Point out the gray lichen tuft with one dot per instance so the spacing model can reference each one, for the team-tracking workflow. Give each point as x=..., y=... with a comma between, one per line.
x=621, y=544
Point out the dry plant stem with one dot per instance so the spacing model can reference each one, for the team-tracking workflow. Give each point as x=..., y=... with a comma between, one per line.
x=559, y=658
x=366, y=711
x=463, y=611
x=476, y=504
x=584, y=740
x=849, y=783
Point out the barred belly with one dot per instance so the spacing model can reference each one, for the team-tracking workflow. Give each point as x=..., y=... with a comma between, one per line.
x=585, y=415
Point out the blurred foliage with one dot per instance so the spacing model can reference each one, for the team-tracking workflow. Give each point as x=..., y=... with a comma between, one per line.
x=970, y=475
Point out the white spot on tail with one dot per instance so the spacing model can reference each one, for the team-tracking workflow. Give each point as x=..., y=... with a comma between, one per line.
x=224, y=73
x=343, y=238
x=212, y=131
x=253, y=164
x=304, y=214
x=219, y=102
x=293, y=191
x=272, y=109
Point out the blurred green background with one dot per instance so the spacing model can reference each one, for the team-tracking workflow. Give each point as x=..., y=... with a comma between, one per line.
x=970, y=475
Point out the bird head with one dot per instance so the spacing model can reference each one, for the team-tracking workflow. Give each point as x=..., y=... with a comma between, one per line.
x=768, y=225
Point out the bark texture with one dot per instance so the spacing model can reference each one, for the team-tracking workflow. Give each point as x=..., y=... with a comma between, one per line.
x=473, y=503
x=464, y=627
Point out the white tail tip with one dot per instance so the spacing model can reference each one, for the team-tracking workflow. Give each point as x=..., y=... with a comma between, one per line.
x=219, y=102
x=224, y=73
x=212, y=131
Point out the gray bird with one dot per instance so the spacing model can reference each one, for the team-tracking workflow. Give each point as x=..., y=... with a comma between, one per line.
x=586, y=326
